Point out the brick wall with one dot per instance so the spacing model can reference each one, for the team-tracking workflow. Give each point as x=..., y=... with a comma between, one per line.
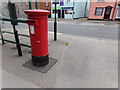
x=42, y=5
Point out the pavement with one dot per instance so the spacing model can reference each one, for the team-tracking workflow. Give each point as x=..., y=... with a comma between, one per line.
x=85, y=20
x=83, y=62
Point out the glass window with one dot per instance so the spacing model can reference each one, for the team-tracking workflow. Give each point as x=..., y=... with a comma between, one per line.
x=54, y=11
x=118, y=11
x=68, y=11
x=100, y=0
x=55, y=1
x=68, y=1
x=47, y=4
x=61, y=2
x=99, y=11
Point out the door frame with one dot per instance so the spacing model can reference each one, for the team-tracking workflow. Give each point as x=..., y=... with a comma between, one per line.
x=59, y=13
x=63, y=13
x=106, y=11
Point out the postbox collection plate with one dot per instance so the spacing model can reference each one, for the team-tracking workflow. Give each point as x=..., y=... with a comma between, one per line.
x=32, y=29
x=44, y=69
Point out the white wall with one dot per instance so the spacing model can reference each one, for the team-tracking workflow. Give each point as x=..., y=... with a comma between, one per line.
x=79, y=8
x=20, y=7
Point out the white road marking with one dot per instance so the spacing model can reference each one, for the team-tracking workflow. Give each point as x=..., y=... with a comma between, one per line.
x=75, y=27
x=93, y=28
x=50, y=21
x=83, y=28
x=53, y=33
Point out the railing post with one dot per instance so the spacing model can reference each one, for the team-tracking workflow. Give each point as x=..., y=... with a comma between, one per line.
x=1, y=35
x=13, y=15
x=17, y=41
x=30, y=4
x=36, y=4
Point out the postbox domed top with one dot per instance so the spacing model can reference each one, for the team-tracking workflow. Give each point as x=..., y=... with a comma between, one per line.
x=36, y=12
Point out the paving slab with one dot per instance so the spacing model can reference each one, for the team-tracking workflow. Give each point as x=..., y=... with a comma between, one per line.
x=82, y=63
x=11, y=81
x=14, y=64
x=89, y=63
x=0, y=78
x=0, y=67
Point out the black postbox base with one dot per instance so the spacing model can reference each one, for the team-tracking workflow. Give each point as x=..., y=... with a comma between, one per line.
x=44, y=69
x=40, y=61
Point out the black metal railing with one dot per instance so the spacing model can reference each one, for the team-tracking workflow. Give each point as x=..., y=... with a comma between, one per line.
x=14, y=21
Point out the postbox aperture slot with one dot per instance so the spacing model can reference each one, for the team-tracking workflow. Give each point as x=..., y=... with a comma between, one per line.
x=32, y=22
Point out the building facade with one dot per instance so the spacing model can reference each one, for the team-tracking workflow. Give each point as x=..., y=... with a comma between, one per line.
x=104, y=9
x=117, y=16
x=20, y=7
x=42, y=4
x=71, y=9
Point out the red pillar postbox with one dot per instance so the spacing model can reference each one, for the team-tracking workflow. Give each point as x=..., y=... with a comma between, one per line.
x=38, y=28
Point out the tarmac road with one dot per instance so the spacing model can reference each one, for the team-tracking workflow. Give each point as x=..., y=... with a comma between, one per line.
x=88, y=30
x=94, y=30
